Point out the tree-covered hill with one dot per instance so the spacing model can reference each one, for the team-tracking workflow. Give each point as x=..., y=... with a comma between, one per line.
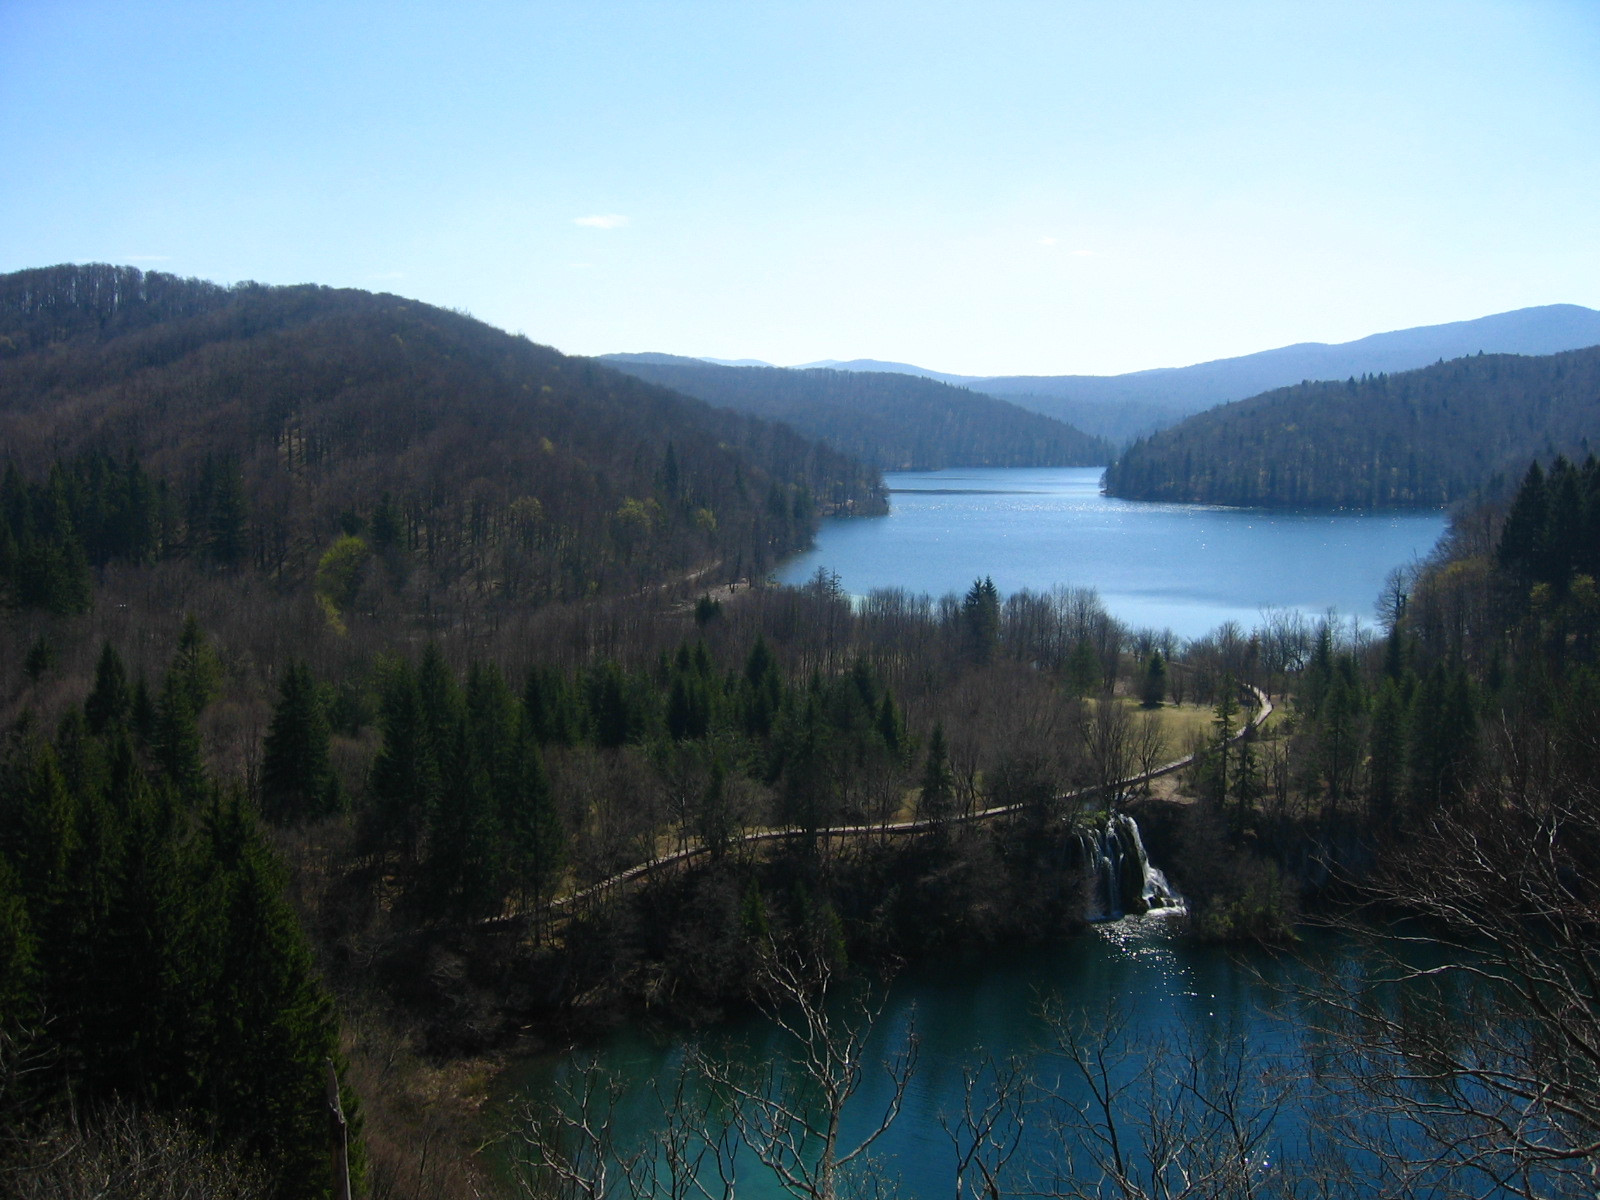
x=1121, y=407
x=1423, y=438
x=268, y=422
x=895, y=422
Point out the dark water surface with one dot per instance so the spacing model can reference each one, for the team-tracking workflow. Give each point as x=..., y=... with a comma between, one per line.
x=1137, y=972
x=1186, y=567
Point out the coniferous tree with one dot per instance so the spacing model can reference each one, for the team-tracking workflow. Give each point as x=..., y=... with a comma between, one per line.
x=536, y=844
x=19, y=998
x=273, y=1029
x=196, y=666
x=550, y=708
x=1522, y=536
x=891, y=725
x=1083, y=668
x=980, y=615
x=176, y=736
x=936, y=799
x=297, y=779
x=108, y=704
x=1154, y=690
x=1386, y=751
x=404, y=779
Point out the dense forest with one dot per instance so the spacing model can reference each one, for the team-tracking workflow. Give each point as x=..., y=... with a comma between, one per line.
x=1421, y=439
x=295, y=775
x=269, y=423
x=895, y=422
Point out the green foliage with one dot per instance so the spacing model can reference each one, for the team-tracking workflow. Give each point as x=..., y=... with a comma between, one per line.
x=195, y=667
x=339, y=571
x=936, y=797
x=176, y=736
x=297, y=781
x=1153, y=689
x=404, y=780
x=110, y=701
x=148, y=954
x=980, y=616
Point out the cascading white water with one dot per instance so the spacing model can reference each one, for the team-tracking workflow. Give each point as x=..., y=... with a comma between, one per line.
x=1123, y=881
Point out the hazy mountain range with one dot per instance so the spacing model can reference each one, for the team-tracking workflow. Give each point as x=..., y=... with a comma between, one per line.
x=890, y=420
x=1120, y=407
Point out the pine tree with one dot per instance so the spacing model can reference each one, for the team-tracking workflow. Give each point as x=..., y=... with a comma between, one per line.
x=109, y=702
x=980, y=616
x=176, y=737
x=40, y=824
x=1154, y=690
x=195, y=666
x=404, y=780
x=1522, y=536
x=1386, y=747
x=1083, y=669
x=19, y=977
x=273, y=1028
x=297, y=779
x=536, y=844
x=891, y=725
x=936, y=800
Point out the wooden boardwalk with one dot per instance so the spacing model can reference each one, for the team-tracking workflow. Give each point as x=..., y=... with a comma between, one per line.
x=682, y=858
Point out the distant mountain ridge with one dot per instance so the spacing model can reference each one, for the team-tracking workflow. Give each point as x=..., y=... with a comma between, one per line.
x=890, y=420
x=1422, y=438
x=1121, y=407
x=1167, y=394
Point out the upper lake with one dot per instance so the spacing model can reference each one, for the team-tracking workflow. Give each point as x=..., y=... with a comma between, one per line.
x=1187, y=567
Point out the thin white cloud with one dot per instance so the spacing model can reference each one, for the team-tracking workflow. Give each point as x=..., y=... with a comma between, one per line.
x=602, y=221
x=1083, y=254
x=1047, y=241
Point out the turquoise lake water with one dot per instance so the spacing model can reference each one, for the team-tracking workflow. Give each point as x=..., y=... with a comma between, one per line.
x=1180, y=566
x=1138, y=972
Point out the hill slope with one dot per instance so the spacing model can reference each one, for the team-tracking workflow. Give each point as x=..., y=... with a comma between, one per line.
x=893, y=421
x=1419, y=439
x=502, y=469
x=1119, y=406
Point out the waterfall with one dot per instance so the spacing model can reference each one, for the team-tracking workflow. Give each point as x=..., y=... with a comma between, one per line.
x=1122, y=881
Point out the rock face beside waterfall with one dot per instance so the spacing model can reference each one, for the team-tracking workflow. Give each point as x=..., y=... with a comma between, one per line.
x=1121, y=881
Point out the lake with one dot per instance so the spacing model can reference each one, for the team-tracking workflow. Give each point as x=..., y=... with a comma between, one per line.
x=1138, y=974
x=1186, y=567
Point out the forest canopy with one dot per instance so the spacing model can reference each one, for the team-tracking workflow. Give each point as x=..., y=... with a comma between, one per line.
x=309, y=413
x=1421, y=439
x=896, y=422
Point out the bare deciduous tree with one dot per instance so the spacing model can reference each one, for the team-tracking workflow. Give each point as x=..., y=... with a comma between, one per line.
x=790, y=1114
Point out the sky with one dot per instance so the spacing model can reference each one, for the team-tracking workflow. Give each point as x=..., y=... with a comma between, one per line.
x=981, y=188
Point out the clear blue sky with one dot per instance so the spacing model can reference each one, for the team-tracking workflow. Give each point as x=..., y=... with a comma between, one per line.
x=980, y=187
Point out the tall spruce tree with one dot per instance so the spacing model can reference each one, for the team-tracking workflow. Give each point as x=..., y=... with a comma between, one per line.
x=297, y=779
x=110, y=700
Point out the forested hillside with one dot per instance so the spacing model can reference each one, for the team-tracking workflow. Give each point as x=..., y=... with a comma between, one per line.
x=1424, y=438
x=1121, y=407
x=257, y=426
x=895, y=422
